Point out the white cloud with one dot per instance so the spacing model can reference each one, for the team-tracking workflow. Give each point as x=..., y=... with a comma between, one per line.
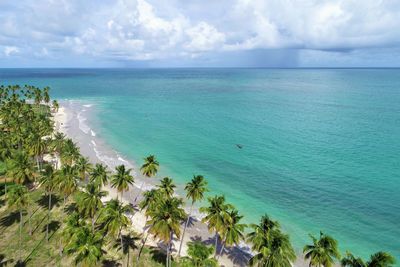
x=204, y=37
x=10, y=50
x=160, y=29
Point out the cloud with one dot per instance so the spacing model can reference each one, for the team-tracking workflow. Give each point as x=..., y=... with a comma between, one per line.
x=204, y=37
x=151, y=30
x=10, y=50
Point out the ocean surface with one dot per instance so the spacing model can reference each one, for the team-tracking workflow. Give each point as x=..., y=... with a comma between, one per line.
x=320, y=148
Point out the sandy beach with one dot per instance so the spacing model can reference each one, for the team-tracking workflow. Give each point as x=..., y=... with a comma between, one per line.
x=71, y=119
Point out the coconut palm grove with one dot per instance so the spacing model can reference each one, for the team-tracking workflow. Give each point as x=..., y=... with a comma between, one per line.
x=54, y=209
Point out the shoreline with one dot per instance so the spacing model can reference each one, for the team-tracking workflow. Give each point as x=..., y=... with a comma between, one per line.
x=71, y=120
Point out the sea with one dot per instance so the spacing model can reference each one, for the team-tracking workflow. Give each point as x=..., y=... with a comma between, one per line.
x=315, y=149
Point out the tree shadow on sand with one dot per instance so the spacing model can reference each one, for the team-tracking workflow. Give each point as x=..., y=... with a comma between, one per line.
x=71, y=208
x=191, y=222
x=158, y=255
x=239, y=256
x=110, y=263
x=53, y=226
x=4, y=261
x=44, y=201
x=129, y=243
x=22, y=263
x=10, y=219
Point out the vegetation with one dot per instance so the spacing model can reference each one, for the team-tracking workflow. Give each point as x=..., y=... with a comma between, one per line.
x=59, y=213
x=200, y=255
x=376, y=260
x=322, y=251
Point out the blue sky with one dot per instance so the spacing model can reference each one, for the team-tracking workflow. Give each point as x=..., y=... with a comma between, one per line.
x=200, y=33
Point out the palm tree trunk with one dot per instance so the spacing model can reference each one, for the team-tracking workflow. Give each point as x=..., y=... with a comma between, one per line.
x=20, y=232
x=127, y=260
x=170, y=247
x=120, y=236
x=184, y=230
x=5, y=188
x=37, y=163
x=167, y=260
x=216, y=244
x=93, y=220
x=141, y=248
x=48, y=218
x=56, y=163
x=29, y=223
x=222, y=248
x=62, y=219
x=138, y=194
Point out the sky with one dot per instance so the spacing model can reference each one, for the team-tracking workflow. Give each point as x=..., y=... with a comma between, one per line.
x=200, y=33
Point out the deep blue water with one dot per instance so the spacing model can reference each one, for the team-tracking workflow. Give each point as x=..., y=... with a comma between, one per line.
x=321, y=147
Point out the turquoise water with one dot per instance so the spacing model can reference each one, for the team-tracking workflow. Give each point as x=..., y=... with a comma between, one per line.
x=321, y=147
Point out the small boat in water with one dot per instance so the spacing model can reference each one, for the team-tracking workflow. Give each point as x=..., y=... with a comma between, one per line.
x=239, y=146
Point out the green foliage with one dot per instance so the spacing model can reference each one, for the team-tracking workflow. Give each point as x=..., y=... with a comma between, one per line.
x=20, y=168
x=122, y=179
x=18, y=196
x=167, y=187
x=89, y=201
x=85, y=246
x=379, y=259
x=99, y=175
x=150, y=166
x=196, y=188
x=3, y=168
x=200, y=255
x=322, y=252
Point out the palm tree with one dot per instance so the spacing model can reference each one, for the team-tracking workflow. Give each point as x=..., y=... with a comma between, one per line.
x=167, y=186
x=38, y=96
x=83, y=166
x=129, y=242
x=46, y=96
x=215, y=216
x=149, y=169
x=114, y=218
x=165, y=221
x=73, y=222
x=232, y=229
x=86, y=246
x=69, y=152
x=379, y=259
x=99, y=175
x=48, y=181
x=199, y=255
x=351, y=261
x=90, y=201
x=38, y=147
x=57, y=143
x=55, y=105
x=260, y=235
x=273, y=250
x=122, y=179
x=20, y=168
x=67, y=180
x=195, y=190
x=322, y=252
x=149, y=202
x=19, y=198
